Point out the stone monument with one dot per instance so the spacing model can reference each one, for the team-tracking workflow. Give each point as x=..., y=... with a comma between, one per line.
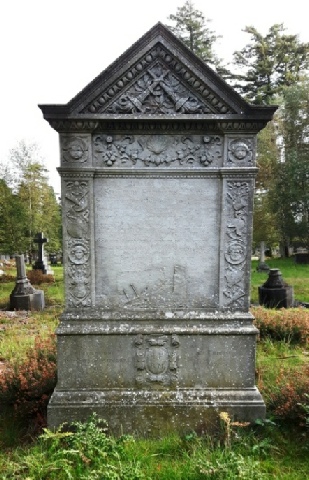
x=25, y=296
x=157, y=168
x=41, y=262
x=275, y=293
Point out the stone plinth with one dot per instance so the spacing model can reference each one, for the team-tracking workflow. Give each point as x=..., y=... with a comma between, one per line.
x=157, y=167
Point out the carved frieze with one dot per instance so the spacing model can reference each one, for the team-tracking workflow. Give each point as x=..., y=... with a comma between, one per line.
x=156, y=360
x=235, y=255
x=77, y=242
x=158, y=83
x=75, y=149
x=123, y=151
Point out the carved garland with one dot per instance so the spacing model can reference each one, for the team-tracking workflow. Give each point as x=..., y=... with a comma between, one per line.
x=156, y=150
x=76, y=210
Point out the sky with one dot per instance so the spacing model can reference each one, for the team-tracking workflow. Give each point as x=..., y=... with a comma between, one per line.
x=51, y=49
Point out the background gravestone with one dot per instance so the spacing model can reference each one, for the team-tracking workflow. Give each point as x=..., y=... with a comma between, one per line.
x=24, y=296
x=157, y=167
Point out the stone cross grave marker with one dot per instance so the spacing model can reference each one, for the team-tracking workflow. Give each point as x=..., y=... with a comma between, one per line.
x=40, y=263
x=157, y=168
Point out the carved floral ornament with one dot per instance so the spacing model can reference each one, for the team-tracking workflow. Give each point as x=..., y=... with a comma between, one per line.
x=157, y=150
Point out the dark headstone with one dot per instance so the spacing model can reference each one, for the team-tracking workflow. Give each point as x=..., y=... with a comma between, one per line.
x=275, y=293
x=40, y=264
x=302, y=258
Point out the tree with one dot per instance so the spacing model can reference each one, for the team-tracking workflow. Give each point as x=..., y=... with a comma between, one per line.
x=29, y=184
x=191, y=27
x=269, y=63
x=290, y=194
x=264, y=219
x=12, y=221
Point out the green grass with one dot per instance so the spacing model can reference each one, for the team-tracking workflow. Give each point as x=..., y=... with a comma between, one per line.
x=296, y=275
x=260, y=452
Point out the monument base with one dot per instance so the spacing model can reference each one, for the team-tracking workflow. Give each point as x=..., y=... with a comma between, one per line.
x=155, y=373
x=156, y=413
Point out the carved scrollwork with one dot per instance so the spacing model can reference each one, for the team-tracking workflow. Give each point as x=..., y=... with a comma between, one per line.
x=236, y=251
x=76, y=215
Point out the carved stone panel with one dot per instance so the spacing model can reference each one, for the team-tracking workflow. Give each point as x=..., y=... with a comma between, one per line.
x=77, y=242
x=240, y=152
x=177, y=151
x=156, y=360
x=236, y=243
x=75, y=150
x=158, y=83
x=152, y=249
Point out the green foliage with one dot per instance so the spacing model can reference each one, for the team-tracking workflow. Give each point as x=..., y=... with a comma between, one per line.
x=27, y=203
x=294, y=274
x=289, y=194
x=264, y=218
x=12, y=221
x=190, y=26
x=269, y=64
x=87, y=452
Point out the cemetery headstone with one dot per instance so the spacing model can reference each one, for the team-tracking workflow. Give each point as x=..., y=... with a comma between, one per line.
x=25, y=296
x=41, y=262
x=157, y=168
x=275, y=293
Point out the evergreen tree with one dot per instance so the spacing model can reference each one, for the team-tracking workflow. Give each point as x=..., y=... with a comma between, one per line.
x=190, y=26
x=264, y=219
x=290, y=192
x=269, y=63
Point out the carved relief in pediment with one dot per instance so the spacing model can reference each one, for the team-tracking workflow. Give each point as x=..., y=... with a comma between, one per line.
x=158, y=83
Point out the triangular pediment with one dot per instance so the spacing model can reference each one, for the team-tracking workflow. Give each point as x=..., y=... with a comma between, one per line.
x=157, y=84
x=157, y=75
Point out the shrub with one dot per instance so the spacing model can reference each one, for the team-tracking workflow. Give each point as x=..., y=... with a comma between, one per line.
x=288, y=397
x=291, y=324
x=7, y=278
x=29, y=385
x=37, y=277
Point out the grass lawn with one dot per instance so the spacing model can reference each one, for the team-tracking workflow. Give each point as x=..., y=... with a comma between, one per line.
x=296, y=275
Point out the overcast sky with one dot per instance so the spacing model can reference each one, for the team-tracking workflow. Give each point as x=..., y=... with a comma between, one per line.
x=51, y=49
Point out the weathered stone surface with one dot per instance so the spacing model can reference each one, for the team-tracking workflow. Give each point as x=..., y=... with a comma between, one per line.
x=24, y=296
x=157, y=167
